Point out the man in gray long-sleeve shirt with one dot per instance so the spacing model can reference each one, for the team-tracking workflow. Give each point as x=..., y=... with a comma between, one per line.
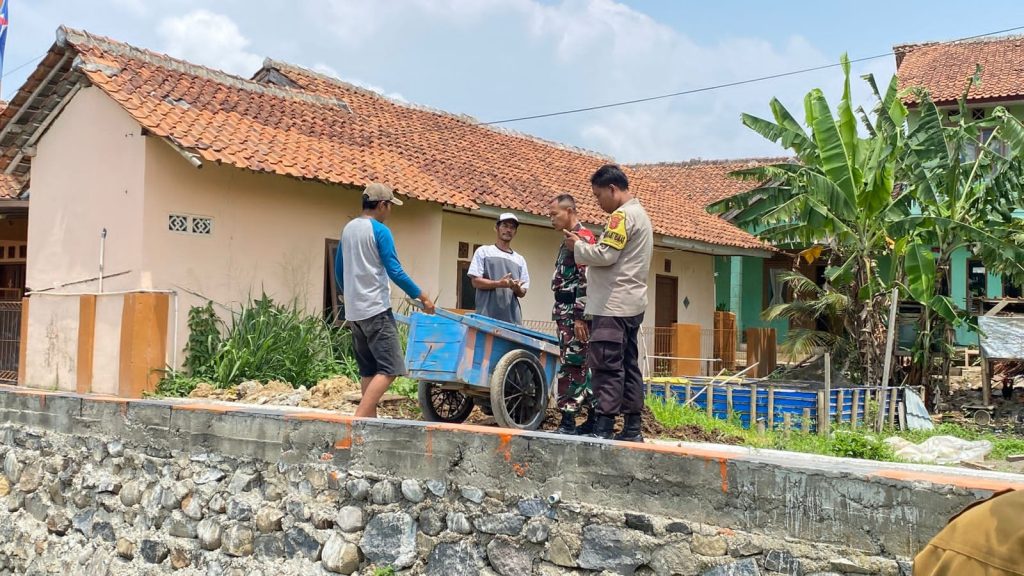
x=617, y=270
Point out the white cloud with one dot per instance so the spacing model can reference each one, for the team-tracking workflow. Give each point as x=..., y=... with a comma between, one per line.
x=211, y=39
x=327, y=70
x=506, y=58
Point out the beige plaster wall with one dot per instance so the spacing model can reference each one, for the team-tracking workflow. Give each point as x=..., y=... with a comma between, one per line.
x=696, y=281
x=52, y=344
x=269, y=234
x=106, y=357
x=87, y=175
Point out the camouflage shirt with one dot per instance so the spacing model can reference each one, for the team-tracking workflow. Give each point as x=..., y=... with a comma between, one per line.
x=570, y=280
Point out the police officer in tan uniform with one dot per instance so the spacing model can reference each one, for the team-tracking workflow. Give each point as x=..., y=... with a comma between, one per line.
x=617, y=269
x=986, y=538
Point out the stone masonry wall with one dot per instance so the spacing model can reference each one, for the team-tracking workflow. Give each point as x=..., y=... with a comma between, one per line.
x=111, y=487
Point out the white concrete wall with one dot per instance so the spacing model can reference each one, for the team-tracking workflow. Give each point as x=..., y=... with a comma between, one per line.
x=106, y=353
x=696, y=274
x=87, y=175
x=269, y=235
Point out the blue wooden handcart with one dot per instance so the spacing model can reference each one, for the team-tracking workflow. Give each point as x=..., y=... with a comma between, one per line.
x=466, y=360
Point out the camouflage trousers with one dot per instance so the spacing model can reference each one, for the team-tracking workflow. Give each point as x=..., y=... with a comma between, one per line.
x=574, y=390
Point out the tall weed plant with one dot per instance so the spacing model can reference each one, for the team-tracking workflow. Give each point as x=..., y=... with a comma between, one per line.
x=265, y=341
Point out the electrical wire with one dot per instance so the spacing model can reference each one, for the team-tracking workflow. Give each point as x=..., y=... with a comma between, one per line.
x=684, y=92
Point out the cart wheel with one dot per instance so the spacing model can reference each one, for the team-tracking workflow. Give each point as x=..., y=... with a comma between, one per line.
x=518, y=395
x=440, y=405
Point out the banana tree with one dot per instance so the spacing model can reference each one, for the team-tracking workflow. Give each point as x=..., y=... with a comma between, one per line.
x=966, y=177
x=840, y=195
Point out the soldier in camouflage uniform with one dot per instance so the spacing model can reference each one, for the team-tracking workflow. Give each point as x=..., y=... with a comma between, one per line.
x=569, y=284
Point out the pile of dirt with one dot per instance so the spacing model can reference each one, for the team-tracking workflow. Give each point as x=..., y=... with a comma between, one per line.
x=332, y=394
x=338, y=393
x=210, y=392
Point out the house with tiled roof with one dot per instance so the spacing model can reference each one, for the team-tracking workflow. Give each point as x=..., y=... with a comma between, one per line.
x=744, y=285
x=157, y=177
x=945, y=69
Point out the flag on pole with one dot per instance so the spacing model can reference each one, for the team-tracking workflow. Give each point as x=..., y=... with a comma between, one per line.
x=3, y=32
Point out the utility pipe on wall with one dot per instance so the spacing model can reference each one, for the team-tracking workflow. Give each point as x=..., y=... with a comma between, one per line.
x=103, y=245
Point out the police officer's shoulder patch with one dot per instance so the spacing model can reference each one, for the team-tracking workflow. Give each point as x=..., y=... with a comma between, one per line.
x=615, y=233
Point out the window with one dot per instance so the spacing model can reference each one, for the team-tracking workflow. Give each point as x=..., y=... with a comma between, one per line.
x=465, y=293
x=187, y=224
x=1011, y=289
x=333, y=310
x=977, y=285
x=177, y=223
x=202, y=225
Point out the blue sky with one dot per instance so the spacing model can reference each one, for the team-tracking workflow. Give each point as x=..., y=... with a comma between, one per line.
x=495, y=59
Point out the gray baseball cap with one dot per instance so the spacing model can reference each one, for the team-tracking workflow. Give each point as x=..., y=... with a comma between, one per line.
x=377, y=192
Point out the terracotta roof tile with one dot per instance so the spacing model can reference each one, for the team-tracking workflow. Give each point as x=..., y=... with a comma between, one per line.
x=944, y=68
x=704, y=182
x=319, y=128
x=11, y=186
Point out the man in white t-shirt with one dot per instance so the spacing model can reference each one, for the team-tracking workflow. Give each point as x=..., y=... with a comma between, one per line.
x=499, y=274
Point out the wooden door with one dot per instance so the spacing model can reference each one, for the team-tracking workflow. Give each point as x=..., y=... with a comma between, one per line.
x=666, y=313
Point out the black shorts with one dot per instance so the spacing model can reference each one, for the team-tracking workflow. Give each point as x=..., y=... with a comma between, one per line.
x=376, y=344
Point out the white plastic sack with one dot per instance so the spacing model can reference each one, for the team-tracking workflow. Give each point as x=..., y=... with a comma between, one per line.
x=940, y=449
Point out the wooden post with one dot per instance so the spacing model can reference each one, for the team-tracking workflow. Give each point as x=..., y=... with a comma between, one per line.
x=689, y=393
x=23, y=343
x=753, y=405
x=725, y=339
x=902, y=409
x=890, y=335
x=892, y=408
x=840, y=398
x=787, y=423
x=686, y=344
x=823, y=417
x=856, y=407
x=668, y=390
x=728, y=401
x=806, y=424
x=647, y=382
x=709, y=396
x=761, y=349
x=880, y=399
x=143, y=343
x=771, y=407
x=86, y=341
x=760, y=427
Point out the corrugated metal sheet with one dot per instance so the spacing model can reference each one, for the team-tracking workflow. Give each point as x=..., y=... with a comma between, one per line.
x=1002, y=337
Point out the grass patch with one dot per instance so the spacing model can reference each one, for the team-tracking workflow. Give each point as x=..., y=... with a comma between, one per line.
x=842, y=442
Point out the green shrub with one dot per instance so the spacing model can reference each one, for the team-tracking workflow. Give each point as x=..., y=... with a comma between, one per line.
x=405, y=387
x=176, y=385
x=204, y=340
x=268, y=341
x=855, y=444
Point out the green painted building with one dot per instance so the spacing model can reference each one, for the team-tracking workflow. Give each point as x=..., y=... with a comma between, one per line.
x=747, y=286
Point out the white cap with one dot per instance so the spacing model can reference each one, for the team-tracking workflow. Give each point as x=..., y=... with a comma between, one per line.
x=508, y=216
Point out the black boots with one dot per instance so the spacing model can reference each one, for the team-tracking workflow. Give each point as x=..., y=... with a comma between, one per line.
x=567, y=425
x=588, y=426
x=631, y=429
x=603, y=427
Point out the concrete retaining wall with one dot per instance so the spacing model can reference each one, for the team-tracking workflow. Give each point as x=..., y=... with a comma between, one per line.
x=443, y=495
